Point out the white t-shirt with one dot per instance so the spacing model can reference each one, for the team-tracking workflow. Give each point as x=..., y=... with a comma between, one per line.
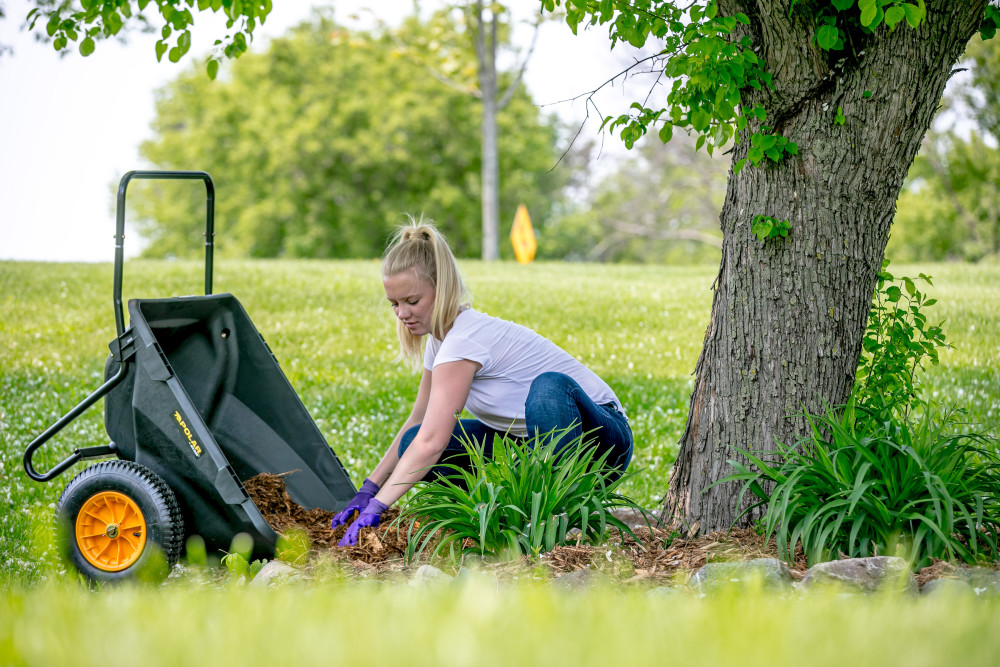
x=511, y=357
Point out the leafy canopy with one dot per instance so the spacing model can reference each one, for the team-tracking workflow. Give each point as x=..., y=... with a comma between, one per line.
x=89, y=21
x=320, y=145
x=715, y=72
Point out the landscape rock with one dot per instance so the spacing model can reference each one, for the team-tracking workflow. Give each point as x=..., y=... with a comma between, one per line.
x=579, y=579
x=429, y=575
x=275, y=573
x=947, y=587
x=667, y=592
x=772, y=574
x=636, y=519
x=865, y=575
x=983, y=581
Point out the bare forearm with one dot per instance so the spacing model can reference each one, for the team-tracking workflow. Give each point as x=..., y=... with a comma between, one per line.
x=414, y=464
x=390, y=459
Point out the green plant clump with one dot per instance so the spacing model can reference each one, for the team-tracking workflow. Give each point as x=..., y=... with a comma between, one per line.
x=525, y=499
x=917, y=490
x=884, y=474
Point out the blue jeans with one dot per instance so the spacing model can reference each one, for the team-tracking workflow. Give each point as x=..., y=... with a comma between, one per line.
x=555, y=402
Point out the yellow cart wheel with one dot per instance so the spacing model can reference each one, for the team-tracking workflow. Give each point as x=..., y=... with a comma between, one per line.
x=110, y=531
x=117, y=517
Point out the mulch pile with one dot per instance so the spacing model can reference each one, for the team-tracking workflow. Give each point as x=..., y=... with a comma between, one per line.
x=651, y=557
x=375, y=545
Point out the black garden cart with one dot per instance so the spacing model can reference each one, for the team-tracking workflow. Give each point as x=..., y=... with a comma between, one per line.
x=194, y=404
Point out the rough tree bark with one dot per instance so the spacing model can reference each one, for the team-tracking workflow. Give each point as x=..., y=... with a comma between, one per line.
x=788, y=315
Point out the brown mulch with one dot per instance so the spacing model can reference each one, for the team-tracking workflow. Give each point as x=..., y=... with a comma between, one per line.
x=375, y=545
x=654, y=556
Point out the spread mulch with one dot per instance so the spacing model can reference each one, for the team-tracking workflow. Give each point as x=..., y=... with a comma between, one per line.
x=654, y=555
x=650, y=556
x=284, y=515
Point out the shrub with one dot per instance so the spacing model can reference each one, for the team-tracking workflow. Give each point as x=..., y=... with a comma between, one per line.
x=898, y=342
x=524, y=500
x=858, y=487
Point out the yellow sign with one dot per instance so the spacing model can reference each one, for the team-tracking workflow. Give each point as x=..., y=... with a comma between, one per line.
x=522, y=236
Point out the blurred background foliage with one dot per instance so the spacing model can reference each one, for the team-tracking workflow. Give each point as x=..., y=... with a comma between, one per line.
x=320, y=144
x=950, y=205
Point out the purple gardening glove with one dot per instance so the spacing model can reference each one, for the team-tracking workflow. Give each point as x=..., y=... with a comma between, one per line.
x=370, y=516
x=358, y=502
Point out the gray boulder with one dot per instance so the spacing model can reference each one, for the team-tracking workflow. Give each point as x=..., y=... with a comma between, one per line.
x=769, y=573
x=864, y=575
x=946, y=587
x=670, y=592
x=983, y=581
x=275, y=573
x=580, y=579
x=428, y=575
x=635, y=518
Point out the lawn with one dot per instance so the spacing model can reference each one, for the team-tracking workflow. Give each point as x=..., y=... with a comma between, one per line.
x=328, y=324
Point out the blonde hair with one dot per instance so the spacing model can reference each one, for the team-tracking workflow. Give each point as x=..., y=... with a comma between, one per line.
x=419, y=245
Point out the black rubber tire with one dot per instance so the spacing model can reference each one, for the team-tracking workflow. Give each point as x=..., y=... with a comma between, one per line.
x=156, y=502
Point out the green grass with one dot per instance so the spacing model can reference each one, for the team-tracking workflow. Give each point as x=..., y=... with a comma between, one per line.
x=327, y=322
x=480, y=624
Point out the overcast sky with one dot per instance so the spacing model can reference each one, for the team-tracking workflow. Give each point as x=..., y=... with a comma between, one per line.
x=71, y=126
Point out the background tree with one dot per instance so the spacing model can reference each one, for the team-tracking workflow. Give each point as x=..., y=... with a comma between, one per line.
x=461, y=49
x=659, y=204
x=319, y=145
x=950, y=206
x=484, y=27
x=829, y=100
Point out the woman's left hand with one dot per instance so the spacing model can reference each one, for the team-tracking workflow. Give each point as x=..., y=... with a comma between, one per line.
x=370, y=516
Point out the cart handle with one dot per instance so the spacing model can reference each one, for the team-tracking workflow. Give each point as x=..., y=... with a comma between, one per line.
x=81, y=453
x=120, y=229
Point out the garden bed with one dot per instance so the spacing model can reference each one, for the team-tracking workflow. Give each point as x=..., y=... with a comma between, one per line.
x=653, y=556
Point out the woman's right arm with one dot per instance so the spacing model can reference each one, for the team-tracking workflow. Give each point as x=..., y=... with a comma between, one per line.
x=391, y=456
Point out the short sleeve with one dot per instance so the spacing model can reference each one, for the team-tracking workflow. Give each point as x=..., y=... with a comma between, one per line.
x=457, y=348
x=430, y=351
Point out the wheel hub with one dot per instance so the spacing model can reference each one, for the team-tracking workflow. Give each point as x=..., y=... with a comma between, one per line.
x=110, y=531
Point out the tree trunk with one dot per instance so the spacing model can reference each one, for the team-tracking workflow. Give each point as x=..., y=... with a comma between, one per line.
x=788, y=315
x=486, y=52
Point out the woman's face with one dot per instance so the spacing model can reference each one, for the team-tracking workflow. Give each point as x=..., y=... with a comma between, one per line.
x=412, y=299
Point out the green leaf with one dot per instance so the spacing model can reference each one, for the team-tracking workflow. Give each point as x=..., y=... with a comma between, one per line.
x=841, y=5
x=700, y=119
x=174, y=55
x=212, y=68
x=86, y=47
x=894, y=15
x=161, y=48
x=868, y=14
x=827, y=36
x=915, y=14
x=666, y=132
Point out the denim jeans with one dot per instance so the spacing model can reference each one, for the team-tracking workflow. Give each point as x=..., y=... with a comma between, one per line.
x=555, y=402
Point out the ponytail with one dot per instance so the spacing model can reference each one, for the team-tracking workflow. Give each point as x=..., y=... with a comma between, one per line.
x=419, y=245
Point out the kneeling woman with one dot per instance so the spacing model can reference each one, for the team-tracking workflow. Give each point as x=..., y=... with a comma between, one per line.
x=514, y=381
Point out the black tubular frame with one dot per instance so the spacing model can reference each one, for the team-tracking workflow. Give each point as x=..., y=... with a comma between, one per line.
x=120, y=228
x=118, y=350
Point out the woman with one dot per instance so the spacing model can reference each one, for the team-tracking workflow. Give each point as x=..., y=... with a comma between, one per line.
x=514, y=381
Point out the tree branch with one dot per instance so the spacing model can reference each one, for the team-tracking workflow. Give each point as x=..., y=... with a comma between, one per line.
x=509, y=93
